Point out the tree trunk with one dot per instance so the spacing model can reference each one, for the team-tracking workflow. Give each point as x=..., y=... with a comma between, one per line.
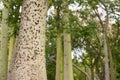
x=11, y=47
x=107, y=77
x=84, y=72
x=59, y=46
x=4, y=45
x=112, y=73
x=28, y=61
x=106, y=58
x=59, y=61
x=68, y=70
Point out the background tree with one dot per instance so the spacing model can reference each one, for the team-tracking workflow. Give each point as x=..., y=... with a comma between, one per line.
x=4, y=42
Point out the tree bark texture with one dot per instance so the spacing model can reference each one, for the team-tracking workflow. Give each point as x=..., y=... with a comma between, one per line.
x=28, y=60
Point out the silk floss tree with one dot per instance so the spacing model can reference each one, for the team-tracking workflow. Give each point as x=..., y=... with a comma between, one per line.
x=28, y=59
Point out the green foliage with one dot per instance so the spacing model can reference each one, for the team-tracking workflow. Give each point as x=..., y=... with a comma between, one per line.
x=14, y=16
x=50, y=57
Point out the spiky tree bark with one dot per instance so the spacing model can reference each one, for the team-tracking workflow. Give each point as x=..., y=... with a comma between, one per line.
x=28, y=60
x=4, y=44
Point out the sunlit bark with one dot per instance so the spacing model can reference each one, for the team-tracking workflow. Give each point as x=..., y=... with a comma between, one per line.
x=28, y=60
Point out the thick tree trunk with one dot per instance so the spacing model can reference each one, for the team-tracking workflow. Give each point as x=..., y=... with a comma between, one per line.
x=28, y=61
x=4, y=45
x=59, y=60
x=68, y=70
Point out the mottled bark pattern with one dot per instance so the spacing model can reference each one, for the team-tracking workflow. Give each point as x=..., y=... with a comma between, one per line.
x=29, y=55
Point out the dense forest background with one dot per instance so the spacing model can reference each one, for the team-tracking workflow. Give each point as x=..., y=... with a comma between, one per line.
x=82, y=38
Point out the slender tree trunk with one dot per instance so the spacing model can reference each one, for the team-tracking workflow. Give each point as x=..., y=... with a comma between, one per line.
x=4, y=45
x=68, y=70
x=112, y=73
x=84, y=72
x=11, y=47
x=107, y=77
x=106, y=59
x=59, y=56
x=28, y=61
x=59, y=61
